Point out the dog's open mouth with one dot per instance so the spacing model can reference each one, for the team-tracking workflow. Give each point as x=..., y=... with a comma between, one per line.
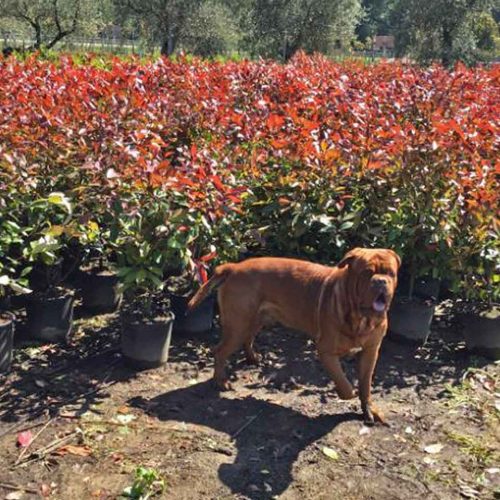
x=380, y=303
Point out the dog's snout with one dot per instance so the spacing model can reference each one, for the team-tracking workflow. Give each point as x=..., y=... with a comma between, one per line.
x=379, y=282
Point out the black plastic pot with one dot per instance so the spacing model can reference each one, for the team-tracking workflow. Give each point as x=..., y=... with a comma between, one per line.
x=427, y=288
x=7, y=321
x=42, y=276
x=410, y=321
x=196, y=322
x=146, y=345
x=50, y=318
x=482, y=332
x=18, y=302
x=100, y=292
x=5, y=303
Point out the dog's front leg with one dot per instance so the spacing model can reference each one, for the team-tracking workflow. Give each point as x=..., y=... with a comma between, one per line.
x=331, y=362
x=367, y=361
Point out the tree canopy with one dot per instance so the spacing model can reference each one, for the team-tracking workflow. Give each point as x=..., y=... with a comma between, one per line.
x=424, y=30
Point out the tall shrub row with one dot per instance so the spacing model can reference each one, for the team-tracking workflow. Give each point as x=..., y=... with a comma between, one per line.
x=304, y=159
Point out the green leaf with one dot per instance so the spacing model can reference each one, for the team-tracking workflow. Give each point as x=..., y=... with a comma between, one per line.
x=346, y=225
x=330, y=453
x=61, y=200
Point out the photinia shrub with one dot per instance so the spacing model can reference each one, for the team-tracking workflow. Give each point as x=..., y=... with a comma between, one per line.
x=306, y=159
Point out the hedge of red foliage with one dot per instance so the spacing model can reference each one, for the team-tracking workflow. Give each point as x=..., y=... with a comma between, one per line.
x=361, y=148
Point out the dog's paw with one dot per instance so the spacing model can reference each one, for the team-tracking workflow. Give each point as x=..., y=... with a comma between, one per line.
x=372, y=415
x=223, y=385
x=253, y=358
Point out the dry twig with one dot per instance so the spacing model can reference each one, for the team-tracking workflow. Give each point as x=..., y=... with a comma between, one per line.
x=25, y=450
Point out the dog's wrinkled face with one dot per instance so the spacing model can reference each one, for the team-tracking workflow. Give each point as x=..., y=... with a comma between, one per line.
x=372, y=278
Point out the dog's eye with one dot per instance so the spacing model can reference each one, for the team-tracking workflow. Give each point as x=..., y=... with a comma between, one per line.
x=391, y=274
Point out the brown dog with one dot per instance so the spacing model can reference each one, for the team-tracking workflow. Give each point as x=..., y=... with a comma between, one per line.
x=342, y=308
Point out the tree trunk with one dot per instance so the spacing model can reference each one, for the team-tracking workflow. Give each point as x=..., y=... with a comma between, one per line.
x=447, y=47
x=38, y=36
x=169, y=43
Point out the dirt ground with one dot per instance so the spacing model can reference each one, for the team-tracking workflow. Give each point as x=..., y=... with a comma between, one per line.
x=282, y=433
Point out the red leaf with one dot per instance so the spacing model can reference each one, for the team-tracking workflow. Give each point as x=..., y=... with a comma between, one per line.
x=279, y=143
x=203, y=273
x=275, y=121
x=217, y=182
x=208, y=257
x=81, y=451
x=24, y=439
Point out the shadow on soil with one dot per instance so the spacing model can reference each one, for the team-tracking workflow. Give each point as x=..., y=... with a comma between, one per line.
x=75, y=375
x=273, y=442
x=290, y=361
x=264, y=457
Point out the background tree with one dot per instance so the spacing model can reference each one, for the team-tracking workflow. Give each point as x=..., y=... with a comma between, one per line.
x=50, y=21
x=210, y=30
x=439, y=29
x=376, y=19
x=278, y=28
x=161, y=20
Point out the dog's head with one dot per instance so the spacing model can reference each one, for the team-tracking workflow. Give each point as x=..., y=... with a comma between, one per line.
x=372, y=278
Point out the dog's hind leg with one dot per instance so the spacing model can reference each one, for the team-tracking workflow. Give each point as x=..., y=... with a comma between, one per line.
x=234, y=336
x=253, y=357
x=227, y=346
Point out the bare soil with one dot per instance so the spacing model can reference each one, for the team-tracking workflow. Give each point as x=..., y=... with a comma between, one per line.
x=265, y=439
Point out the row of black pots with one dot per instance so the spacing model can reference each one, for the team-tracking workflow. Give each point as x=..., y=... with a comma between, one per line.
x=7, y=322
x=411, y=321
x=146, y=345
x=50, y=319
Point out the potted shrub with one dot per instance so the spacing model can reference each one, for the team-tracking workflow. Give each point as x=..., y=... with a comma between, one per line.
x=180, y=290
x=98, y=281
x=479, y=315
x=142, y=252
x=8, y=285
x=49, y=308
x=204, y=233
x=423, y=241
x=481, y=328
x=7, y=320
x=411, y=208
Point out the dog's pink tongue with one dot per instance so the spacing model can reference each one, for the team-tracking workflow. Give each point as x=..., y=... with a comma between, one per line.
x=379, y=305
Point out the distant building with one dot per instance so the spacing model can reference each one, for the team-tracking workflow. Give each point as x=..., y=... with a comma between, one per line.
x=383, y=43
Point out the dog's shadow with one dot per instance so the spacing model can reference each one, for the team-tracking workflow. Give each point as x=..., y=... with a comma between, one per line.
x=266, y=449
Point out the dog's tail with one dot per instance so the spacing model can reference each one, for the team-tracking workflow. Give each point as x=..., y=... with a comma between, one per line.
x=220, y=275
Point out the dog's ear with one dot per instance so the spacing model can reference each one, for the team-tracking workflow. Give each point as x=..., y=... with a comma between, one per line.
x=349, y=257
x=396, y=256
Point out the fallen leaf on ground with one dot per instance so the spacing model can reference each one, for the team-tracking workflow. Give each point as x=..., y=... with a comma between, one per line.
x=429, y=461
x=70, y=449
x=24, y=439
x=116, y=457
x=45, y=490
x=125, y=419
x=409, y=430
x=123, y=409
x=14, y=495
x=40, y=383
x=434, y=448
x=330, y=453
x=364, y=430
x=467, y=491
